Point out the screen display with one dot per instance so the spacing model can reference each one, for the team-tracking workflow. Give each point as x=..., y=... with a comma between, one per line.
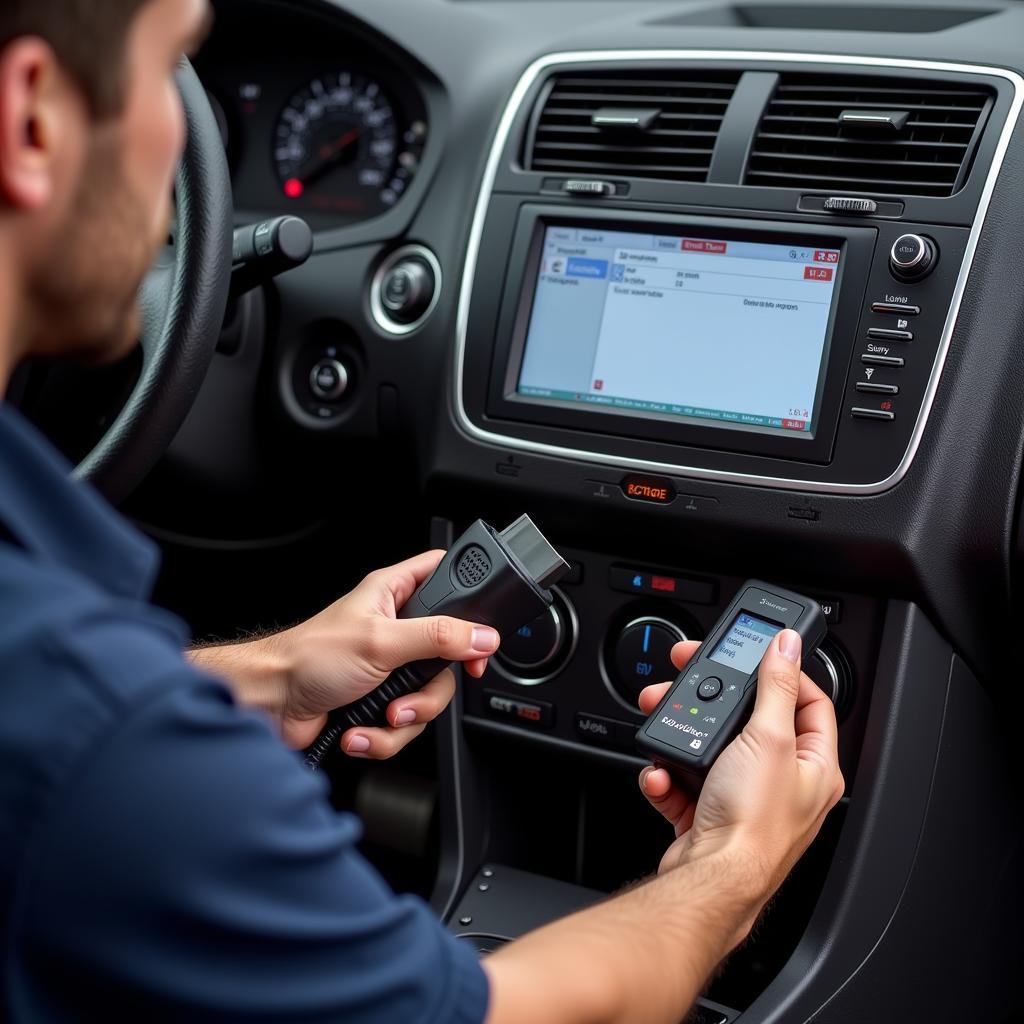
x=713, y=330
x=744, y=645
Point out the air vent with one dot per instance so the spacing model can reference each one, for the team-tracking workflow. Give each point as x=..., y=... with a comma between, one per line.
x=651, y=124
x=818, y=133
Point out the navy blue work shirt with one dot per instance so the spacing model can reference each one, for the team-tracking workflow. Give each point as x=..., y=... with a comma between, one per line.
x=162, y=855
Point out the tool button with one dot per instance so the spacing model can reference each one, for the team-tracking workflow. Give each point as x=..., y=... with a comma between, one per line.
x=870, y=360
x=872, y=414
x=877, y=389
x=709, y=688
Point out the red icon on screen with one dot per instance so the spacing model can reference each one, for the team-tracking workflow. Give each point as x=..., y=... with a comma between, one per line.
x=598, y=385
x=826, y=256
x=703, y=245
x=818, y=273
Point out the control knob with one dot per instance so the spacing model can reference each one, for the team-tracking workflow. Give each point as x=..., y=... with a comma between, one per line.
x=640, y=655
x=328, y=380
x=407, y=289
x=912, y=257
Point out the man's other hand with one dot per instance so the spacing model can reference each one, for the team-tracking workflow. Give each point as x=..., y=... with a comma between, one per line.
x=349, y=649
x=768, y=793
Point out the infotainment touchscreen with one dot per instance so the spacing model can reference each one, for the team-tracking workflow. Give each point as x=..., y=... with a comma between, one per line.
x=714, y=330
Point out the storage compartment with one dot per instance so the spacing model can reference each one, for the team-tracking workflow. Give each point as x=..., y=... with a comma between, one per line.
x=558, y=817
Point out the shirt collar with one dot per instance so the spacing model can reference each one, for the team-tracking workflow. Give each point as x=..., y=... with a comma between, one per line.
x=63, y=522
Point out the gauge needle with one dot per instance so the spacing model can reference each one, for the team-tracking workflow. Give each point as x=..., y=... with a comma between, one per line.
x=336, y=148
x=327, y=156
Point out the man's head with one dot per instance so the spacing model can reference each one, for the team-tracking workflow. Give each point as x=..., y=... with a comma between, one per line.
x=91, y=129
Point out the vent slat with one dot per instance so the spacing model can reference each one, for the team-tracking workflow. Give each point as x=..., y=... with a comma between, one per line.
x=833, y=140
x=860, y=184
x=677, y=147
x=584, y=130
x=801, y=142
x=782, y=155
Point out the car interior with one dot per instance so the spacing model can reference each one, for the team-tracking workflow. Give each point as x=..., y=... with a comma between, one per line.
x=712, y=290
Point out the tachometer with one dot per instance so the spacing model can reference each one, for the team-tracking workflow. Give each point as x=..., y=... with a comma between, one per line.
x=340, y=147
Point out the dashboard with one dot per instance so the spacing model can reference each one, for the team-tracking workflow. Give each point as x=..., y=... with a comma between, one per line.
x=713, y=290
x=329, y=132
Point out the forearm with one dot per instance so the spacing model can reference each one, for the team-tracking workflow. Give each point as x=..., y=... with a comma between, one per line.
x=257, y=671
x=644, y=955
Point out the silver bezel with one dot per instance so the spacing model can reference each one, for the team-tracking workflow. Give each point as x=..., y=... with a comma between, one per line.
x=560, y=60
x=572, y=625
x=380, y=315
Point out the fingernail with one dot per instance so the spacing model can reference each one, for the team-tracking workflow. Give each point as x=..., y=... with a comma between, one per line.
x=405, y=716
x=358, y=745
x=789, y=645
x=644, y=775
x=484, y=640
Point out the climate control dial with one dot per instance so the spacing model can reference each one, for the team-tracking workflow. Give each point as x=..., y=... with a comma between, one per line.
x=640, y=655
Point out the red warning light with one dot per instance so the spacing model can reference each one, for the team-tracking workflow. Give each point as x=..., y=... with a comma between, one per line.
x=665, y=583
x=293, y=188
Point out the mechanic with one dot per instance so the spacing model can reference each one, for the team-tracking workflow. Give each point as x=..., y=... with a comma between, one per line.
x=163, y=853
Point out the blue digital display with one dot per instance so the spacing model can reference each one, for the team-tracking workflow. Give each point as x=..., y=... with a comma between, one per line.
x=743, y=646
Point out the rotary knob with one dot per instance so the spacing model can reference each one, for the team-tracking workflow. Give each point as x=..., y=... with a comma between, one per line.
x=328, y=380
x=912, y=257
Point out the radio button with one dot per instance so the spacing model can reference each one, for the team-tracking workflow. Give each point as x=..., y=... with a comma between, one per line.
x=872, y=414
x=878, y=389
x=869, y=360
x=884, y=334
x=896, y=308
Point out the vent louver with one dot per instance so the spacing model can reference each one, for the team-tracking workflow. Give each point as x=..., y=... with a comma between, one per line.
x=675, y=144
x=802, y=143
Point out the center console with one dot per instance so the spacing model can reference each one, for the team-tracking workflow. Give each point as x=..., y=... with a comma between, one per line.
x=707, y=299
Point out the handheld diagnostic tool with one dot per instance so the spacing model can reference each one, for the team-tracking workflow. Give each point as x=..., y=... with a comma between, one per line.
x=711, y=699
x=499, y=579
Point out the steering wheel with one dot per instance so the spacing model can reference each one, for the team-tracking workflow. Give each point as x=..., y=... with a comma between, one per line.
x=182, y=302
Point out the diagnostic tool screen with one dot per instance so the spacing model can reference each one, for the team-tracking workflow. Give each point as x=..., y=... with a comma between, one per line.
x=744, y=645
x=721, y=332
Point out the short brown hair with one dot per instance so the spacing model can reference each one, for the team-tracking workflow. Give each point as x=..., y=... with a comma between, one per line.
x=88, y=37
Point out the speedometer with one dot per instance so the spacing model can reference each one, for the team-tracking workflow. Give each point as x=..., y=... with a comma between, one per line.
x=341, y=148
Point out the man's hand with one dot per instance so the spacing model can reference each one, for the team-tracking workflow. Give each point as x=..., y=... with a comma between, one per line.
x=346, y=651
x=645, y=954
x=767, y=795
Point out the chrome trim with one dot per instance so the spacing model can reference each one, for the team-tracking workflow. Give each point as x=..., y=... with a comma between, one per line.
x=380, y=314
x=922, y=251
x=508, y=117
x=832, y=672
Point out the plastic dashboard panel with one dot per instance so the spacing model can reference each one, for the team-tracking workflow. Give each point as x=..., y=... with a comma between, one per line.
x=787, y=478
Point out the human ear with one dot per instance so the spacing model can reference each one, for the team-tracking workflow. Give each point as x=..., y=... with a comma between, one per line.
x=37, y=111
